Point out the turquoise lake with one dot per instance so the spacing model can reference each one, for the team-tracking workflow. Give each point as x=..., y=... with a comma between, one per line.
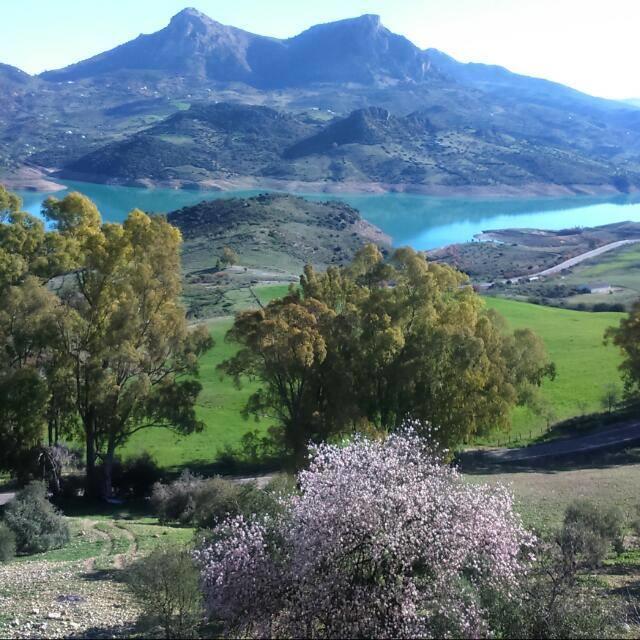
x=423, y=222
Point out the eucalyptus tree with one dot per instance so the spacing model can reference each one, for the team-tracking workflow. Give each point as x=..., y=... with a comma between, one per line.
x=92, y=329
x=371, y=344
x=131, y=358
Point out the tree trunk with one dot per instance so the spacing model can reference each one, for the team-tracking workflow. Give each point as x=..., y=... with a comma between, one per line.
x=90, y=478
x=107, y=475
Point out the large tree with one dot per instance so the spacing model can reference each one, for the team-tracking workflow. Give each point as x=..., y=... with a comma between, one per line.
x=91, y=320
x=377, y=342
x=29, y=313
x=626, y=336
x=125, y=341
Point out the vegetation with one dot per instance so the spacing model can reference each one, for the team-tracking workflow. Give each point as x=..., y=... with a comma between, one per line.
x=348, y=350
x=573, y=340
x=627, y=337
x=37, y=525
x=272, y=235
x=342, y=559
x=166, y=584
x=113, y=340
x=384, y=540
x=206, y=502
x=588, y=533
x=7, y=543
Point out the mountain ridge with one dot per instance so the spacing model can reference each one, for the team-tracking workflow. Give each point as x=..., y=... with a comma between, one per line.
x=321, y=82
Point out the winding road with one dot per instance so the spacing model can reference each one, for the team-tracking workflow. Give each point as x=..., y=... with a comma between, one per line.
x=626, y=433
x=571, y=262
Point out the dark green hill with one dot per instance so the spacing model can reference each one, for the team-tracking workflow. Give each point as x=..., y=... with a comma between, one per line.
x=476, y=144
x=472, y=124
x=274, y=235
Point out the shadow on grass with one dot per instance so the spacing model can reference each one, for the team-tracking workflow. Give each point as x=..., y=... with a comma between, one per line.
x=588, y=424
x=110, y=574
x=127, y=510
x=478, y=464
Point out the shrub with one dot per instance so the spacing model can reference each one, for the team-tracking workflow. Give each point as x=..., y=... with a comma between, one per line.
x=588, y=533
x=205, y=503
x=7, y=543
x=35, y=522
x=552, y=601
x=166, y=584
x=175, y=502
x=383, y=540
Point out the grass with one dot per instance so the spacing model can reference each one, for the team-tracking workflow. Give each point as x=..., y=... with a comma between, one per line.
x=574, y=341
x=219, y=406
x=542, y=495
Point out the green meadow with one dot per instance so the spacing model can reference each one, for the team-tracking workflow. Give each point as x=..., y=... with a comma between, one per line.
x=574, y=341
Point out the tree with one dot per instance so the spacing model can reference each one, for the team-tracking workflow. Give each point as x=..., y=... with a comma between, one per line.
x=125, y=341
x=373, y=343
x=92, y=330
x=383, y=541
x=229, y=257
x=610, y=397
x=626, y=336
x=29, y=257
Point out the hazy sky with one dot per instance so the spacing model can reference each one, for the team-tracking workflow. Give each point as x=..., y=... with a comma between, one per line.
x=591, y=45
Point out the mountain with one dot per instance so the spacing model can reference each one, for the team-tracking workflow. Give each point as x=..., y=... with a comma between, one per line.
x=206, y=142
x=146, y=111
x=13, y=76
x=357, y=50
x=431, y=148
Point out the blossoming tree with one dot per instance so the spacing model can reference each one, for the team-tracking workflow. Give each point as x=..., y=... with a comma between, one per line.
x=383, y=540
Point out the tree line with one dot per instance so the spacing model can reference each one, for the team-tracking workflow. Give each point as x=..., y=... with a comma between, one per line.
x=96, y=346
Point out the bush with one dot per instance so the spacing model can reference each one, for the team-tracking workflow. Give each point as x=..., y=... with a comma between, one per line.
x=166, y=584
x=7, y=543
x=588, y=533
x=205, y=503
x=37, y=525
x=175, y=502
x=383, y=540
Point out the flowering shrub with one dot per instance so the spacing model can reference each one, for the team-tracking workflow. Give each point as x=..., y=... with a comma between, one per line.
x=383, y=540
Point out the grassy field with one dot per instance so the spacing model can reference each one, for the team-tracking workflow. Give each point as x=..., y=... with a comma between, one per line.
x=543, y=494
x=573, y=339
x=219, y=404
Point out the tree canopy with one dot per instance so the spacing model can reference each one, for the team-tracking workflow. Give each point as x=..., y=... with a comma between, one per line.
x=93, y=314
x=626, y=336
x=374, y=343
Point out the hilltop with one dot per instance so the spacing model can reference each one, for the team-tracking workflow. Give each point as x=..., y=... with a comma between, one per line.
x=274, y=235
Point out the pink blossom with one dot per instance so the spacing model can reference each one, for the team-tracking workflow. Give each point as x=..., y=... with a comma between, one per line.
x=383, y=540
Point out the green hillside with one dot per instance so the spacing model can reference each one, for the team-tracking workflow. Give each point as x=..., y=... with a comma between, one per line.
x=573, y=338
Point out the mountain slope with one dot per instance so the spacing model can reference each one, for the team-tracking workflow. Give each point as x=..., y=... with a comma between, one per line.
x=356, y=50
x=469, y=124
x=431, y=149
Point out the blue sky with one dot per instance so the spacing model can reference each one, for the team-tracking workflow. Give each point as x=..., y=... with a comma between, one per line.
x=591, y=45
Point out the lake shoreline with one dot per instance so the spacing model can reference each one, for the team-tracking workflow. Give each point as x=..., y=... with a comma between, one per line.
x=41, y=179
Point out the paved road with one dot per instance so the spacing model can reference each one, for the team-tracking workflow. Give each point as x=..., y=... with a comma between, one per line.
x=571, y=262
x=622, y=434
x=6, y=497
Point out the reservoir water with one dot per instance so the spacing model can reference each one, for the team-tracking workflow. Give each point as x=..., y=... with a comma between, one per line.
x=423, y=222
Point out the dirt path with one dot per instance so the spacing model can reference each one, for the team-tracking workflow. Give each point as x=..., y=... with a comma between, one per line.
x=619, y=435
